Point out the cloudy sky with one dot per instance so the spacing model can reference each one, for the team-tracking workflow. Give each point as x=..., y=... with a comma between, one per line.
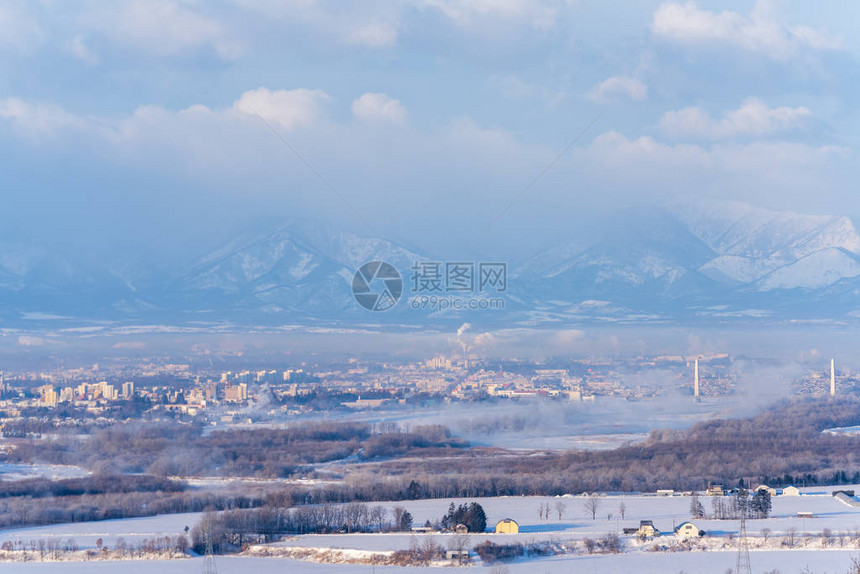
x=167, y=123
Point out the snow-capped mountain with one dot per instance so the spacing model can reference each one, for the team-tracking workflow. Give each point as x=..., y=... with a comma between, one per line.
x=300, y=270
x=35, y=279
x=691, y=260
x=774, y=250
x=643, y=251
x=678, y=264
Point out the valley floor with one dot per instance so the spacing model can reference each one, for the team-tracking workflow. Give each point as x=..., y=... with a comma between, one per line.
x=715, y=553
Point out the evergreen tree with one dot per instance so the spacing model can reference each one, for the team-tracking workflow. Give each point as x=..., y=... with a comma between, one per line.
x=697, y=509
x=471, y=515
x=761, y=504
x=413, y=492
x=405, y=521
x=477, y=518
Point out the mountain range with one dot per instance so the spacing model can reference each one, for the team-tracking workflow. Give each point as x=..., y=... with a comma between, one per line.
x=704, y=262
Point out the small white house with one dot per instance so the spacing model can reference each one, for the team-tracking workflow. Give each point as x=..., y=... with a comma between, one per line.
x=688, y=530
x=791, y=491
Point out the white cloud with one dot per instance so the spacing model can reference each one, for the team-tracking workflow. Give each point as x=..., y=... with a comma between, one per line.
x=373, y=35
x=229, y=151
x=753, y=119
x=539, y=14
x=160, y=27
x=516, y=89
x=37, y=120
x=29, y=341
x=379, y=107
x=288, y=108
x=78, y=48
x=19, y=30
x=758, y=32
x=618, y=87
x=816, y=39
x=759, y=172
x=367, y=24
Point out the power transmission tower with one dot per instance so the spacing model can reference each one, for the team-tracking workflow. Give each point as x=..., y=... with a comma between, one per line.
x=209, y=559
x=743, y=563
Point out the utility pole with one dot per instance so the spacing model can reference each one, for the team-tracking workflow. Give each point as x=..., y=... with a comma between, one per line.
x=743, y=562
x=209, y=560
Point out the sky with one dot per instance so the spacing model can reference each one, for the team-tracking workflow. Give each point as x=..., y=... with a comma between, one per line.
x=162, y=126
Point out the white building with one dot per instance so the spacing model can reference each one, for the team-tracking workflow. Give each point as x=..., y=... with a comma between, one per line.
x=688, y=530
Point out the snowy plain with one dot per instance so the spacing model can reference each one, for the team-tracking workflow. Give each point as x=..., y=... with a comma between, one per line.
x=576, y=524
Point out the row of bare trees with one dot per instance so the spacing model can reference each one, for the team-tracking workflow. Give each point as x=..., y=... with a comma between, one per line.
x=55, y=548
x=234, y=529
x=185, y=450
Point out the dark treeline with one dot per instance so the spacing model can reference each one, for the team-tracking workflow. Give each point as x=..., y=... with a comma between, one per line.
x=96, y=484
x=27, y=511
x=472, y=516
x=232, y=530
x=185, y=450
x=757, y=505
x=781, y=446
x=784, y=445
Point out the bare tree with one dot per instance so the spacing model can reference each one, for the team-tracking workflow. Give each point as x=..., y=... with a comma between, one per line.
x=592, y=505
x=541, y=510
x=622, y=510
x=546, y=510
x=590, y=545
x=790, y=537
x=459, y=543
x=560, y=507
x=378, y=516
x=429, y=549
x=398, y=516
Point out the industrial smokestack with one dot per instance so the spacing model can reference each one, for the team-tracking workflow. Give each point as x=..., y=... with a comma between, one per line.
x=832, y=378
x=696, y=378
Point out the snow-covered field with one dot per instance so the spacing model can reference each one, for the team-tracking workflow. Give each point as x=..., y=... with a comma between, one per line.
x=830, y=562
x=10, y=471
x=576, y=524
x=85, y=534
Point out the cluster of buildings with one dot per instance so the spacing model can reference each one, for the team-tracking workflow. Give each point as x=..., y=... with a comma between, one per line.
x=830, y=381
x=178, y=388
x=181, y=389
x=50, y=395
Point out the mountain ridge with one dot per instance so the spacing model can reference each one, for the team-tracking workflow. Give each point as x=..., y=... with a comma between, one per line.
x=680, y=263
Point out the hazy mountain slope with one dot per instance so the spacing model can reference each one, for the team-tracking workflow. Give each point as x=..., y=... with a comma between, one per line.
x=753, y=243
x=687, y=263
x=644, y=254
x=301, y=269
